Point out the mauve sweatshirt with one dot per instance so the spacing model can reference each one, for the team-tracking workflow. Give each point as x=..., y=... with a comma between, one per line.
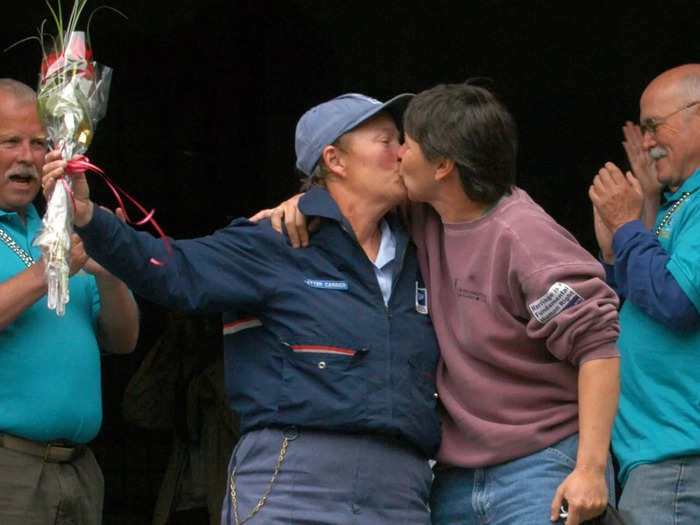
x=518, y=305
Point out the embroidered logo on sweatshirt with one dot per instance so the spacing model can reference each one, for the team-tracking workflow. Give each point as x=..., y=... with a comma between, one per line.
x=465, y=289
x=558, y=298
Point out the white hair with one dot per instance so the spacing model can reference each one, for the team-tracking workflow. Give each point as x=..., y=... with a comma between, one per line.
x=21, y=91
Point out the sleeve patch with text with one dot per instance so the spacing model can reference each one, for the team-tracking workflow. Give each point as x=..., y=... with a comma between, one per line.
x=558, y=298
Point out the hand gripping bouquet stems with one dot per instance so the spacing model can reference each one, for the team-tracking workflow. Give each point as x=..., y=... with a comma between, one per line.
x=71, y=98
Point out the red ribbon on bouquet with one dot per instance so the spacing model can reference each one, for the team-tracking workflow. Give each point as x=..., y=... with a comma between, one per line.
x=81, y=164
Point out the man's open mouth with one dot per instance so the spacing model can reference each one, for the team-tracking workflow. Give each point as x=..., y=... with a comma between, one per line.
x=22, y=179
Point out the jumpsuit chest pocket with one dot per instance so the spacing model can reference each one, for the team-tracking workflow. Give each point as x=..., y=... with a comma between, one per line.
x=324, y=384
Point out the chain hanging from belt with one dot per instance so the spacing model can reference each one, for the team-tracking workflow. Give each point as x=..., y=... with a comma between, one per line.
x=262, y=500
x=21, y=253
x=670, y=212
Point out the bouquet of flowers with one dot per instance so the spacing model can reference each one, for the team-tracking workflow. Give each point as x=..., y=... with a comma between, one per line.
x=71, y=98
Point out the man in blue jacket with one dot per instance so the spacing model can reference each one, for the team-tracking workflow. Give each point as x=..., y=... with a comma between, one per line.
x=656, y=436
x=330, y=352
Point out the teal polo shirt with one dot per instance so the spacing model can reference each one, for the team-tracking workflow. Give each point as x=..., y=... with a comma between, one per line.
x=49, y=365
x=659, y=411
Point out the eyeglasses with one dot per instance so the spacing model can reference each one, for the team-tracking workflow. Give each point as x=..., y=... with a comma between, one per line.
x=650, y=125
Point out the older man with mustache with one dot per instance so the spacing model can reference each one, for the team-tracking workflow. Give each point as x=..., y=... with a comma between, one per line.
x=656, y=436
x=50, y=396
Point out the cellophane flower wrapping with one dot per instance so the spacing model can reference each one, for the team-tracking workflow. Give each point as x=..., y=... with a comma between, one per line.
x=71, y=98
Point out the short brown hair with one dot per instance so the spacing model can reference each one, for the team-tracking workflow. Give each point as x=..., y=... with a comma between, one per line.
x=469, y=125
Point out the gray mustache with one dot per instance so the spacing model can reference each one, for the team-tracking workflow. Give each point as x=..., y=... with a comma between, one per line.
x=29, y=172
x=657, y=152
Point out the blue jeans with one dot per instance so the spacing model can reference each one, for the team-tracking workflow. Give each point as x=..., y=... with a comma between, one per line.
x=517, y=492
x=663, y=493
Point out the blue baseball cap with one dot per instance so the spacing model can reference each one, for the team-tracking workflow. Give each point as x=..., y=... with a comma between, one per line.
x=323, y=124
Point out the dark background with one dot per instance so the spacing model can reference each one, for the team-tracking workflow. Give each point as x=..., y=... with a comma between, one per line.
x=206, y=94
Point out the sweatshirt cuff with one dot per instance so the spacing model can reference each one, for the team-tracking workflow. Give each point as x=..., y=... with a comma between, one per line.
x=602, y=351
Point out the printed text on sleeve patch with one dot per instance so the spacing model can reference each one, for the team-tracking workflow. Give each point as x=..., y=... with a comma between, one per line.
x=558, y=298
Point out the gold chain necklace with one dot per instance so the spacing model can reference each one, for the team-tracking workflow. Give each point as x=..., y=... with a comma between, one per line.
x=670, y=212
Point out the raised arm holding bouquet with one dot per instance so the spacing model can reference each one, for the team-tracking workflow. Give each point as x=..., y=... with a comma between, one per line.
x=71, y=98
